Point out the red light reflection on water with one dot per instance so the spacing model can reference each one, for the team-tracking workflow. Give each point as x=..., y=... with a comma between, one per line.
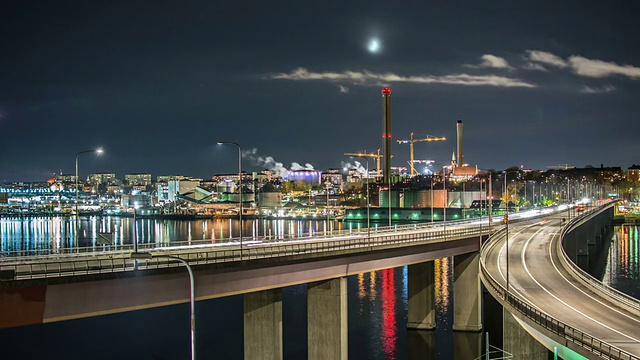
x=388, y=334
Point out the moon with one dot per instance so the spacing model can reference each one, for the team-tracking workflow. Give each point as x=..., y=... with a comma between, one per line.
x=373, y=46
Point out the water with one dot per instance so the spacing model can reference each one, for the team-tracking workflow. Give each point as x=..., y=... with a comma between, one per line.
x=622, y=270
x=56, y=233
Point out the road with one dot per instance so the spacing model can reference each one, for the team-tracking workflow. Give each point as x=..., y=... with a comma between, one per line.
x=537, y=276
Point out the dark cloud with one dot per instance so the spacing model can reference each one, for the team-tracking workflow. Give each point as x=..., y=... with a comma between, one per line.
x=157, y=84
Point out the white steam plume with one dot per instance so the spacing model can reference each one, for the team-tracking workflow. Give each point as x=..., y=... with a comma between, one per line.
x=356, y=166
x=273, y=165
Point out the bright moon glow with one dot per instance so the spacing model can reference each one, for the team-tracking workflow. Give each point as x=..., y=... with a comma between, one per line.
x=374, y=46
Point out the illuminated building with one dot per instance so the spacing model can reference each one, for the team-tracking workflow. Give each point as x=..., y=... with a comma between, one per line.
x=307, y=176
x=66, y=178
x=138, y=179
x=633, y=173
x=102, y=178
x=167, y=178
x=334, y=177
x=179, y=187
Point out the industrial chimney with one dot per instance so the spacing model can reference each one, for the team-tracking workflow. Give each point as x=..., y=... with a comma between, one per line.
x=386, y=134
x=460, y=150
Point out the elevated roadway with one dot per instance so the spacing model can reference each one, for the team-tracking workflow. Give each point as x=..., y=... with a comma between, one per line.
x=61, y=287
x=548, y=293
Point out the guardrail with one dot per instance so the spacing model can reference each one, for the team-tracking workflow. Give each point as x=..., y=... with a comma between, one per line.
x=21, y=269
x=594, y=345
x=589, y=280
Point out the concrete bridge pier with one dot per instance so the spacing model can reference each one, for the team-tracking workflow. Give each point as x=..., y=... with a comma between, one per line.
x=583, y=243
x=421, y=314
x=467, y=305
x=517, y=341
x=263, y=325
x=327, y=319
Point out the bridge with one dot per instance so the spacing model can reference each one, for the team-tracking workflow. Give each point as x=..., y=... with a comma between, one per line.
x=46, y=288
x=532, y=271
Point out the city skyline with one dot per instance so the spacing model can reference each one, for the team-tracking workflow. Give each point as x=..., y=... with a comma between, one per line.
x=536, y=84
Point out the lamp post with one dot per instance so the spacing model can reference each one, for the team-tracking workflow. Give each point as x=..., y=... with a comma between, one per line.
x=432, y=197
x=506, y=222
x=446, y=198
x=239, y=184
x=97, y=151
x=148, y=256
x=368, y=205
x=490, y=200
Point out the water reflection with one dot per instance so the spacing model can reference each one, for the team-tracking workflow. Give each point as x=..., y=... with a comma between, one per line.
x=388, y=337
x=57, y=233
x=623, y=265
x=378, y=309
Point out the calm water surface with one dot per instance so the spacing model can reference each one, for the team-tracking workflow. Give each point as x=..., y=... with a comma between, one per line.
x=56, y=233
x=623, y=265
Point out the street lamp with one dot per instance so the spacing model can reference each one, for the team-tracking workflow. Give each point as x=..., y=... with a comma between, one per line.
x=368, y=201
x=506, y=222
x=239, y=184
x=446, y=198
x=148, y=256
x=97, y=151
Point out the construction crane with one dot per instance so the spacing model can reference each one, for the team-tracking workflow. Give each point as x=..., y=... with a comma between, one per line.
x=411, y=141
x=373, y=155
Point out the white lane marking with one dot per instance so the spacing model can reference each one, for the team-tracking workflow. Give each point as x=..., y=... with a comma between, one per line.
x=577, y=288
x=526, y=268
x=512, y=289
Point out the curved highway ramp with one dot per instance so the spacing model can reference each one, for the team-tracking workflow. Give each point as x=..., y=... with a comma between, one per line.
x=550, y=295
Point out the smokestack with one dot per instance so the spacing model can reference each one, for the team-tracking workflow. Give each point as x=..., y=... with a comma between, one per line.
x=460, y=146
x=386, y=134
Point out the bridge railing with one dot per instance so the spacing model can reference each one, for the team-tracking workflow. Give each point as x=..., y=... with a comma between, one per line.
x=546, y=321
x=119, y=261
x=631, y=302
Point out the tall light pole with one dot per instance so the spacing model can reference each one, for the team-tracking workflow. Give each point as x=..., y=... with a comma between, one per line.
x=368, y=201
x=490, y=200
x=97, y=151
x=432, y=197
x=446, y=197
x=389, y=200
x=506, y=222
x=239, y=184
x=148, y=256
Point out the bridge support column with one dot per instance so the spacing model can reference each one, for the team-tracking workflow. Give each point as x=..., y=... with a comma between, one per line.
x=517, y=341
x=467, y=314
x=263, y=325
x=422, y=297
x=327, y=319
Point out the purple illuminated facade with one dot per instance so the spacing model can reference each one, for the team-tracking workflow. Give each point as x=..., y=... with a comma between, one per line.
x=308, y=176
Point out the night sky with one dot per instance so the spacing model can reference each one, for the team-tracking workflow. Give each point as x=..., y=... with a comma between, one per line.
x=158, y=83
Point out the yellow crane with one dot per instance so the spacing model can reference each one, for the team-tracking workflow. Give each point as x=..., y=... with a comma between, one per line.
x=411, y=141
x=373, y=155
